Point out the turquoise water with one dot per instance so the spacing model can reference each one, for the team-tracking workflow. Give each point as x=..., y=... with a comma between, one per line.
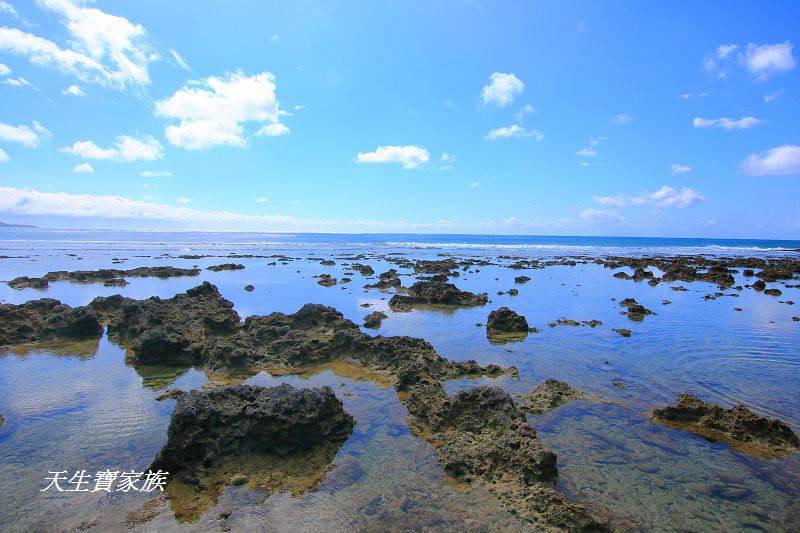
x=80, y=406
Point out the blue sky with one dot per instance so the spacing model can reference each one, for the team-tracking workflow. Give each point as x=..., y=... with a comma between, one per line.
x=569, y=117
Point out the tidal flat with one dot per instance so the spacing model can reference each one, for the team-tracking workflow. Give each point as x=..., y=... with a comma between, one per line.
x=92, y=404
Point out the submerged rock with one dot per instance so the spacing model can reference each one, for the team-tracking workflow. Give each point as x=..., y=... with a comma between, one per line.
x=364, y=270
x=739, y=427
x=622, y=331
x=549, y=395
x=326, y=280
x=374, y=319
x=46, y=319
x=211, y=424
x=483, y=438
x=437, y=292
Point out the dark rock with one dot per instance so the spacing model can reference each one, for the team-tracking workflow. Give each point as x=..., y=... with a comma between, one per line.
x=249, y=288
x=171, y=394
x=773, y=292
x=212, y=424
x=171, y=330
x=225, y=266
x=636, y=311
x=522, y=279
x=109, y=276
x=548, y=396
x=740, y=428
x=504, y=320
x=624, y=332
x=364, y=270
x=386, y=280
x=513, y=292
x=46, y=319
x=327, y=262
x=374, y=319
x=759, y=285
x=326, y=280
x=432, y=292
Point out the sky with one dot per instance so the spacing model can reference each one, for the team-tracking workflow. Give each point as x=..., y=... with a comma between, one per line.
x=675, y=119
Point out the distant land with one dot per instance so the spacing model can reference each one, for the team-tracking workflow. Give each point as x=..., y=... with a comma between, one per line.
x=4, y=225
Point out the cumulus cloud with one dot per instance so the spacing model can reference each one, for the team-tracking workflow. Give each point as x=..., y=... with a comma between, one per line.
x=764, y=60
x=273, y=130
x=4, y=70
x=83, y=168
x=727, y=123
x=663, y=197
x=104, y=48
x=213, y=111
x=409, y=156
x=761, y=61
x=600, y=216
x=514, y=130
x=680, y=169
x=126, y=149
x=74, y=90
x=27, y=136
x=591, y=149
x=501, y=90
x=155, y=173
x=781, y=161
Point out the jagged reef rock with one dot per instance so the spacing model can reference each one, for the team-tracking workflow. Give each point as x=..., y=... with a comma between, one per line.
x=46, y=319
x=436, y=292
x=109, y=276
x=549, y=395
x=739, y=427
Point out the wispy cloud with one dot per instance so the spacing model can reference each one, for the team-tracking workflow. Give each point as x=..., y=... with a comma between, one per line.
x=83, y=168
x=513, y=131
x=680, y=169
x=727, y=123
x=126, y=149
x=761, y=61
x=663, y=197
x=181, y=62
x=622, y=118
x=25, y=135
x=591, y=149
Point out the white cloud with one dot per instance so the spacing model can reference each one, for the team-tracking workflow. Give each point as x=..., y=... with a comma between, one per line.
x=274, y=38
x=74, y=90
x=687, y=96
x=600, y=217
x=447, y=157
x=30, y=137
x=622, y=119
x=760, y=60
x=273, y=130
x=105, y=48
x=4, y=156
x=155, y=173
x=409, y=156
x=126, y=149
x=4, y=70
x=180, y=60
x=526, y=110
x=83, y=168
x=298, y=107
x=680, y=169
x=727, y=123
x=591, y=150
x=781, y=161
x=502, y=89
x=771, y=97
x=663, y=197
x=764, y=60
x=212, y=111
x=261, y=199
x=514, y=130
x=183, y=200
x=475, y=184
x=16, y=82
